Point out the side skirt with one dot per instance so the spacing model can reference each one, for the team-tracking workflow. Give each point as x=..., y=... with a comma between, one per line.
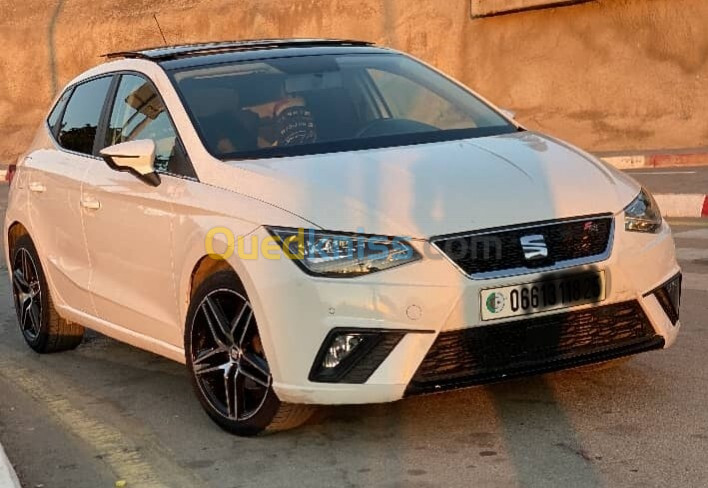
x=122, y=334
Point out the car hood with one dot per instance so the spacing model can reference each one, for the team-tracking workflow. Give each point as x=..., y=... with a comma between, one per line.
x=441, y=188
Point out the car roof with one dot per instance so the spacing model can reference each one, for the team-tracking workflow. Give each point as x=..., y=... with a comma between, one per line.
x=170, y=58
x=166, y=53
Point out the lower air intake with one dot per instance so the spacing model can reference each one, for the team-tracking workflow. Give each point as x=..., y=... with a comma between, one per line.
x=480, y=355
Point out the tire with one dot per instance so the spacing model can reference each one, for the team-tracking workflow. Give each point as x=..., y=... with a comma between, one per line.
x=42, y=327
x=227, y=364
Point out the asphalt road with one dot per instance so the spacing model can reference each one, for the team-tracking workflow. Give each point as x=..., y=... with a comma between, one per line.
x=107, y=412
x=673, y=180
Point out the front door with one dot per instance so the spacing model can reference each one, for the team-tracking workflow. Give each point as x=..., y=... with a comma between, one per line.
x=129, y=223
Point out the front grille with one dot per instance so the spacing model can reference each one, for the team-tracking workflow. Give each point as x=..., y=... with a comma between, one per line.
x=491, y=353
x=500, y=252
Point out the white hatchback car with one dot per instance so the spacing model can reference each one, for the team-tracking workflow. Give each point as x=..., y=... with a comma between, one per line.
x=313, y=221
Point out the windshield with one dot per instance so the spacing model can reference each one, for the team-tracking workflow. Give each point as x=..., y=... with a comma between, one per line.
x=327, y=103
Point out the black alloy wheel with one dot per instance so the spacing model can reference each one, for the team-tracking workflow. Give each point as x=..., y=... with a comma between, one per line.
x=227, y=361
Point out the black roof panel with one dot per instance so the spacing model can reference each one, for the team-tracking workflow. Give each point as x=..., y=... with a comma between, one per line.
x=165, y=53
x=211, y=59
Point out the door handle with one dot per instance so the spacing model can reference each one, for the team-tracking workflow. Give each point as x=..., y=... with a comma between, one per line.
x=37, y=187
x=90, y=203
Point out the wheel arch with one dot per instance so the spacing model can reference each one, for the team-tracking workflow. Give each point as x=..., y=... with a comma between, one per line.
x=14, y=232
x=196, y=270
x=203, y=266
x=198, y=264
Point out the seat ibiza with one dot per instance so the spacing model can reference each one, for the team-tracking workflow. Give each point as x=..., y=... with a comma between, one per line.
x=307, y=222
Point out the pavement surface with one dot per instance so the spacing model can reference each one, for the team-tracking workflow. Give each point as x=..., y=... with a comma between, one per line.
x=680, y=192
x=108, y=413
x=683, y=180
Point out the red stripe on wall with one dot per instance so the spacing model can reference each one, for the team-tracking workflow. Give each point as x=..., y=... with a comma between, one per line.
x=704, y=213
x=682, y=159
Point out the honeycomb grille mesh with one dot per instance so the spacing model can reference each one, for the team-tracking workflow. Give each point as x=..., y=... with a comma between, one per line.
x=489, y=353
x=500, y=250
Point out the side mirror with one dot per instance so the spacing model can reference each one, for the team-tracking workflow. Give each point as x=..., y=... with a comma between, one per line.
x=509, y=114
x=136, y=157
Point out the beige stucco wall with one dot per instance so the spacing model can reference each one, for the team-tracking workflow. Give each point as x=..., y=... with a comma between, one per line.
x=607, y=75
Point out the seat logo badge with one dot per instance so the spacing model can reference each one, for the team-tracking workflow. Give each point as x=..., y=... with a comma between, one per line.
x=495, y=302
x=534, y=247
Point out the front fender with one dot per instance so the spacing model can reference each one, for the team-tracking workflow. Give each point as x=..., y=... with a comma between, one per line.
x=204, y=211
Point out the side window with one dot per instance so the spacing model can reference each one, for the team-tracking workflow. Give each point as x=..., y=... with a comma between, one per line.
x=80, y=122
x=138, y=113
x=53, y=119
x=409, y=100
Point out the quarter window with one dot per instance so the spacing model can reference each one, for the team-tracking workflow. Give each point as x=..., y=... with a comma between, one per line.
x=54, y=117
x=80, y=122
x=138, y=114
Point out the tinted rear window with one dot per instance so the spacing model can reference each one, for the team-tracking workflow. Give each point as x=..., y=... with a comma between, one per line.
x=82, y=114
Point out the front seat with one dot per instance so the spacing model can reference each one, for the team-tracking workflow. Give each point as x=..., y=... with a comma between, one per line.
x=224, y=125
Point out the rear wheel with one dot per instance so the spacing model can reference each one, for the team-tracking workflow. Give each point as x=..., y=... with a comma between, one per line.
x=228, y=367
x=42, y=327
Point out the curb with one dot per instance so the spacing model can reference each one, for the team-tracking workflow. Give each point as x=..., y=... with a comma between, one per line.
x=8, y=477
x=683, y=205
x=657, y=159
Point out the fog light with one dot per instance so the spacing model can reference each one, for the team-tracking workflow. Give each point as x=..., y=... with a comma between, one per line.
x=669, y=297
x=340, y=348
x=673, y=290
x=352, y=355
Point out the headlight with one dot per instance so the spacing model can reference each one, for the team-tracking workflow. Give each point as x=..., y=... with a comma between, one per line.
x=643, y=214
x=338, y=255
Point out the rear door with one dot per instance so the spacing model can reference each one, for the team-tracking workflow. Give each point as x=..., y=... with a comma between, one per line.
x=129, y=227
x=54, y=183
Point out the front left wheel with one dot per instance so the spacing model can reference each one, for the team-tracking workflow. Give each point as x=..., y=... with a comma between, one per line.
x=228, y=366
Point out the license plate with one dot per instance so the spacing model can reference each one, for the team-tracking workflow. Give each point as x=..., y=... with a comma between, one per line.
x=542, y=296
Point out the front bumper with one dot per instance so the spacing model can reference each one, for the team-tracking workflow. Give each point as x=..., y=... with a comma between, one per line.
x=480, y=355
x=431, y=300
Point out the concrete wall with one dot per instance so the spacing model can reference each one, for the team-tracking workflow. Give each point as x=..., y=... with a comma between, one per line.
x=607, y=75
